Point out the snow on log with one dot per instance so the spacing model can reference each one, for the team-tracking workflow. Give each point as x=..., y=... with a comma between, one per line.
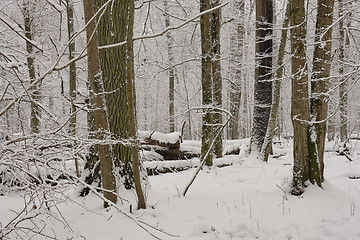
x=170, y=140
x=161, y=167
x=167, y=145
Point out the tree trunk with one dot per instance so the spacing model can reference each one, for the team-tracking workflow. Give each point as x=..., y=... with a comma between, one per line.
x=35, y=93
x=320, y=80
x=117, y=65
x=263, y=73
x=343, y=88
x=236, y=55
x=300, y=108
x=300, y=96
x=171, y=70
x=98, y=123
x=72, y=74
x=216, y=76
x=206, y=54
x=132, y=106
x=266, y=147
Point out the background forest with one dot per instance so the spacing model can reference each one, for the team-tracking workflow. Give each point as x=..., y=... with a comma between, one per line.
x=96, y=96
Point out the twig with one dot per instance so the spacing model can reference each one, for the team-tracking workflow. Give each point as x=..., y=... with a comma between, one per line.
x=166, y=29
x=206, y=155
x=283, y=190
x=347, y=156
x=139, y=223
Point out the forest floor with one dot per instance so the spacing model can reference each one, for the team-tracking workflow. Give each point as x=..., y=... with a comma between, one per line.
x=248, y=200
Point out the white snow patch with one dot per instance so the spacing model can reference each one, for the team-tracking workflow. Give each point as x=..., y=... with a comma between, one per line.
x=248, y=200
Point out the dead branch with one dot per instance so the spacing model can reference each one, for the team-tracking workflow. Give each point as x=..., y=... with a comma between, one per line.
x=204, y=158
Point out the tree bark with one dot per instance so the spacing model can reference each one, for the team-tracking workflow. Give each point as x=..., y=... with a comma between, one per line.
x=113, y=29
x=320, y=82
x=206, y=74
x=300, y=95
x=72, y=74
x=35, y=93
x=343, y=88
x=171, y=70
x=117, y=65
x=267, y=146
x=98, y=122
x=132, y=107
x=236, y=55
x=216, y=76
x=263, y=73
x=72, y=66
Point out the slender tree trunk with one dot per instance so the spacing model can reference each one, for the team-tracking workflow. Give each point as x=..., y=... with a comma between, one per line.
x=246, y=101
x=132, y=106
x=236, y=55
x=216, y=76
x=98, y=123
x=189, y=123
x=206, y=53
x=35, y=93
x=263, y=73
x=343, y=88
x=171, y=70
x=266, y=147
x=117, y=65
x=72, y=75
x=320, y=79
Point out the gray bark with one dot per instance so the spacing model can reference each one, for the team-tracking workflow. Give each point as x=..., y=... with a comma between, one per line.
x=35, y=93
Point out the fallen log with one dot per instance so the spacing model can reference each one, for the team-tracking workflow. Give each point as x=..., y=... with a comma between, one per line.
x=167, y=145
x=170, y=140
x=161, y=167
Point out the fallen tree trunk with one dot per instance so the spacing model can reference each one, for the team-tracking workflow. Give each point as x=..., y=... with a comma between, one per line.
x=161, y=167
x=171, y=153
x=167, y=145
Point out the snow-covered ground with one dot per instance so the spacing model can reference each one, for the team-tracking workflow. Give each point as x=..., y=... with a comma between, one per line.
x=248, y=200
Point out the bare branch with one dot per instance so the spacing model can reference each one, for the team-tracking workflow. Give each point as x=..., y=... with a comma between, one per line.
x=166, y=29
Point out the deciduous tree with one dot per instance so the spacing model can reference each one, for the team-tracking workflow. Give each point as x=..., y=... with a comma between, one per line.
x=117, y=66
x=263, y=73
x=320, y=83
x=98, y=121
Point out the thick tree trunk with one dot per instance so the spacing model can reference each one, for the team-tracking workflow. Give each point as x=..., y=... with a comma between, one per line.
x=263, y=73
x=35, y=93
x=320, y=79
x=236, y=55
x=267, y=146
x=304, y=168
x=113, y=29
x=300, y=95
x=206, y=53
x=216, y=76
x=117, y=65
x=98, y=123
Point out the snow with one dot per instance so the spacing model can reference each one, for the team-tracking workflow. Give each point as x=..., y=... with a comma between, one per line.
x=191, y=146
x=161, y=137
x=247, y=200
